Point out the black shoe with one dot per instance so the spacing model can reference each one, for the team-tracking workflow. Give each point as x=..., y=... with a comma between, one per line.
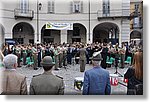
x=56, y=69
x=35, y=68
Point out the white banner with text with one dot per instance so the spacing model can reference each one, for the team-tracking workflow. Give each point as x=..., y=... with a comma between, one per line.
x=59, y=26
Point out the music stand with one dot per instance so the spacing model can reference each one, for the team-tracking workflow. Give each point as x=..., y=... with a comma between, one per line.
x=116, y=67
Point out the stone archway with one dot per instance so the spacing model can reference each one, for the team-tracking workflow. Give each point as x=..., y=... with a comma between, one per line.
x=135, y=34
x=23, y=33
x=50, y=35
x=106, y=32
x=78, y=34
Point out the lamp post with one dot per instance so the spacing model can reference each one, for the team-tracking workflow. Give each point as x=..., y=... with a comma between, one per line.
x=89, y=22
x=39, y=6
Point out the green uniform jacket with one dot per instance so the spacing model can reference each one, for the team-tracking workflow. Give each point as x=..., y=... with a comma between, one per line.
x=47, y=84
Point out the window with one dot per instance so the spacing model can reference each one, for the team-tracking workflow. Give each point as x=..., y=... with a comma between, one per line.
x=136, y=6
x=24, y=6
x=136, y=22
x=76, y=6
x=76, y=31
x=51, y=6
x=106, y=8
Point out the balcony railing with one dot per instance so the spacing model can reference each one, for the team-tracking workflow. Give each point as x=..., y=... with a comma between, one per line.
x=114, y=13
x=19, y=13
x=135, y=14
x=137, y=26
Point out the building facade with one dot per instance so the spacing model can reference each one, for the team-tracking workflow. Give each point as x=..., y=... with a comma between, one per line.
x=136, y=21
x=93, y=20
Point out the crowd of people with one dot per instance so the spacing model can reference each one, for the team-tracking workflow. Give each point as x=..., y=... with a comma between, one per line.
x=48, y=55
x=62, y=54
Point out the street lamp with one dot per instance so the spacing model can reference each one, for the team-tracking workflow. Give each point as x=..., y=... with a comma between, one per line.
x=39, y=6
x=89, y=21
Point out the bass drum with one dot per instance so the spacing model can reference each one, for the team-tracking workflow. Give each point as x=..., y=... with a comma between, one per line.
x=78, y=83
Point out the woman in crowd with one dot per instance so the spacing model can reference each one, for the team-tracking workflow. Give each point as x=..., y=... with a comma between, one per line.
x=6, y=49
x=135, y=74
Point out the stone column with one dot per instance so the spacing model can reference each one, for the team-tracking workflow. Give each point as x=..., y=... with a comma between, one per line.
x=35, y=38
x=63, y=36
x=2, y=39
x=125, y=31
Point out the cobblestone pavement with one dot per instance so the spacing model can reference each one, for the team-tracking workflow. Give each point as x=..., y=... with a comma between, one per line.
x=69, y=74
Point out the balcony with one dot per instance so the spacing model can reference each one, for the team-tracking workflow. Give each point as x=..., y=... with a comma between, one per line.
x=114, y=13
x=19, y=13
x=135, y=14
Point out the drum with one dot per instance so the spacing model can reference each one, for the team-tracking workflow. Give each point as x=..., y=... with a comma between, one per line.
x=114, y=79
x=125, y=80
x=78, y=83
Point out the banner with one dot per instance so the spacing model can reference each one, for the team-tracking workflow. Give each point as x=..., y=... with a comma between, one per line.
x=59, y=26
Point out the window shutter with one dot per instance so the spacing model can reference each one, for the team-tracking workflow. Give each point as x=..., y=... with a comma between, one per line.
x=71, y=7
x=81, y=7
x=49, y=6
x=52, y=6
x=21, y=6
x=106, y=8
x=24, y=6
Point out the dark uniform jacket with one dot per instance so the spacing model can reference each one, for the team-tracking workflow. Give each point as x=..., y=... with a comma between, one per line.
x=82, y=54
